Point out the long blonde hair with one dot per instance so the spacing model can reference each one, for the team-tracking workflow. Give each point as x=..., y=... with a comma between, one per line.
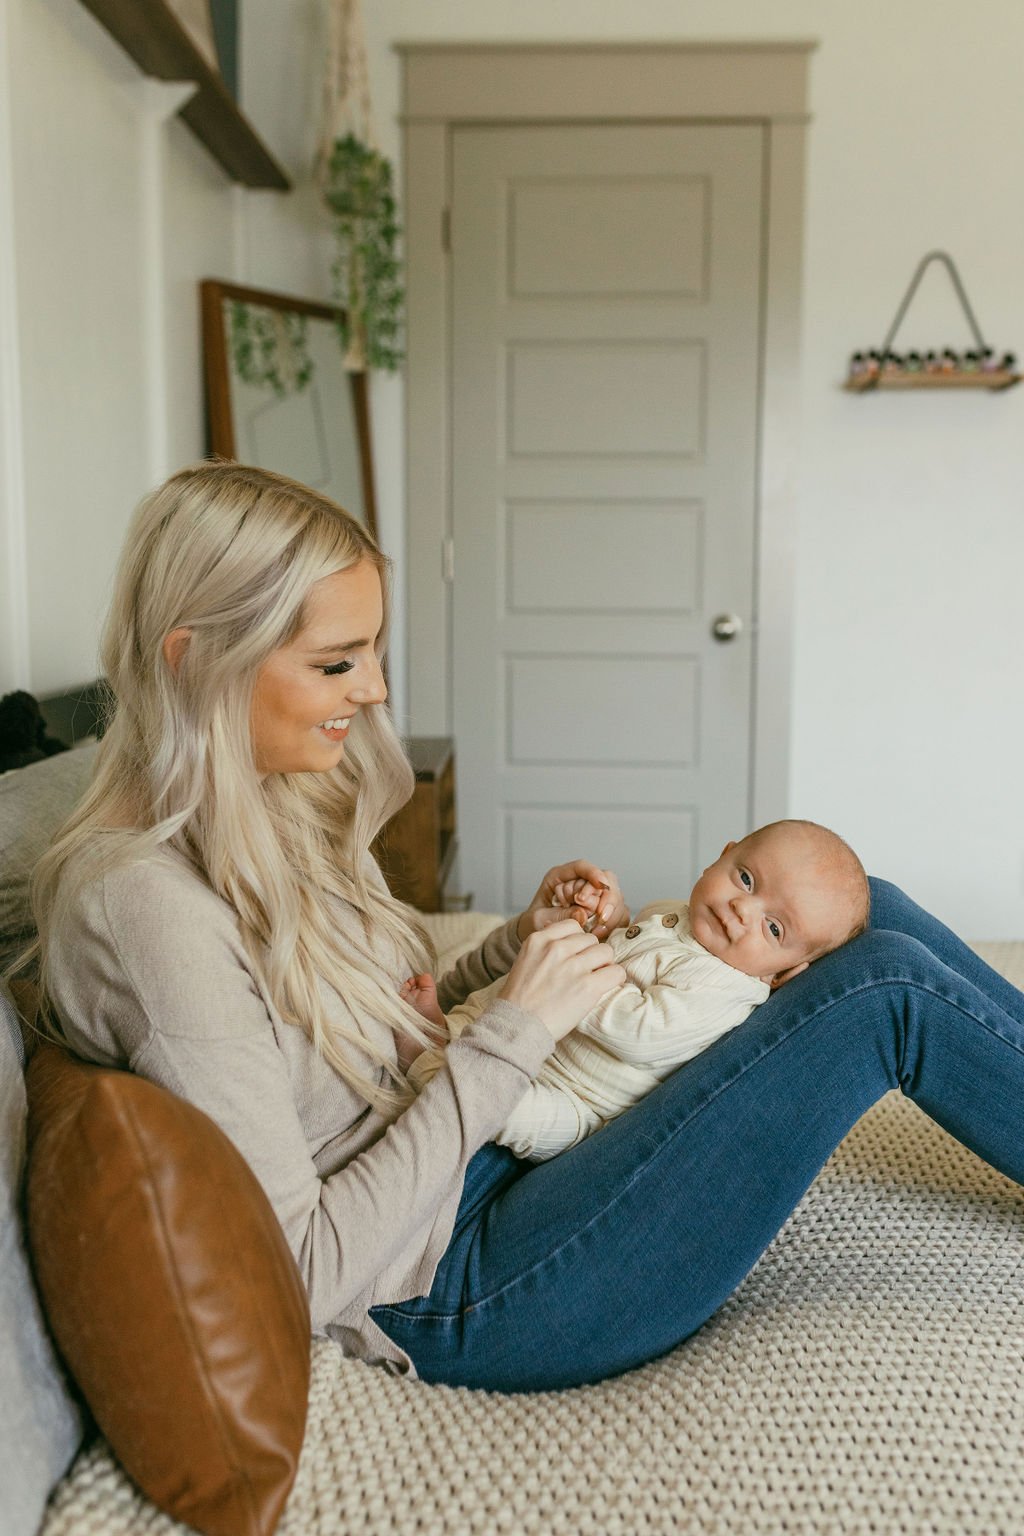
x=230, y=553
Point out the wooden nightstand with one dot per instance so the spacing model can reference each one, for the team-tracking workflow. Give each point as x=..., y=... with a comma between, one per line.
x=417, y=848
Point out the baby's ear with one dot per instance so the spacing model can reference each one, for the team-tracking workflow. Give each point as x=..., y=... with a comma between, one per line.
x=776, y=981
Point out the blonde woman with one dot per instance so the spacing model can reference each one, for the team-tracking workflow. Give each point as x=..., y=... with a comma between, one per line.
x=212, y=919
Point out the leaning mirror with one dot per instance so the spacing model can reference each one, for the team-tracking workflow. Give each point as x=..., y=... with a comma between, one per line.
x=278, y=395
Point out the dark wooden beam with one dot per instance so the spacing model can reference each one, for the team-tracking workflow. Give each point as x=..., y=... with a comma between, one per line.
x=150, y=32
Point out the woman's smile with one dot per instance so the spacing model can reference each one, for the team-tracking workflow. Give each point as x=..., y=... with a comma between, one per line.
x=336, y=730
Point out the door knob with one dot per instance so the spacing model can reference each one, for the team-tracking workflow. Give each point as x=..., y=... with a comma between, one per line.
x=726, y=626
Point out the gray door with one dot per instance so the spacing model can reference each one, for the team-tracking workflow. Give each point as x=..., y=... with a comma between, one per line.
x=605, y=402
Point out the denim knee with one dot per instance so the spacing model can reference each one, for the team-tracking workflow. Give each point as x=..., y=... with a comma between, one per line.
x=888, y=904
x=886, y=954
x=880, y=958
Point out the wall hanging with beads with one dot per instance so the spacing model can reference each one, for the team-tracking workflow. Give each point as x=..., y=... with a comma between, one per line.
x=983, y=367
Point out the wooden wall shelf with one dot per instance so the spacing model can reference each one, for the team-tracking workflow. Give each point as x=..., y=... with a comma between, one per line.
x=151, y=33
x=999, y=379
x=952, y=376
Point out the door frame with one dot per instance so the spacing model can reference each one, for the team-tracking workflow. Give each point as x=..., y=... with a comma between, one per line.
x=447, y=85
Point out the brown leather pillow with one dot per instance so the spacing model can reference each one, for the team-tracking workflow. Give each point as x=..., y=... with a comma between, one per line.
x=171, y=1292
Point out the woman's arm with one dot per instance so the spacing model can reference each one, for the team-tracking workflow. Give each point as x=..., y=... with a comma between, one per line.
x=347, y=1229
x=150, y=973
x=491, y=959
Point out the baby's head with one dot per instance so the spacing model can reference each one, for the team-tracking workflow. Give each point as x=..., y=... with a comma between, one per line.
x=784, y=896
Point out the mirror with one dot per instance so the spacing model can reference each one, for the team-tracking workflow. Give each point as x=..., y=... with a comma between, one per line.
x=315, y=429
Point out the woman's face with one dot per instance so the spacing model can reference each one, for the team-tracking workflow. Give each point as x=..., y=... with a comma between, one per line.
x=308, y=692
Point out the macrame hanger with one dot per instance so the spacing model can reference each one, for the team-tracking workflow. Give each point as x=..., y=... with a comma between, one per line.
x=347, y=106
x=958, y=286
x=285, y=349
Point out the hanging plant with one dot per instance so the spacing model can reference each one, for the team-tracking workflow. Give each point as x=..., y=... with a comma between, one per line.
x=270, y=348
x=358, y=190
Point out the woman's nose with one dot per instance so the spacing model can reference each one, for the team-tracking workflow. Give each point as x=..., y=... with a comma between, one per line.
x=371, y=688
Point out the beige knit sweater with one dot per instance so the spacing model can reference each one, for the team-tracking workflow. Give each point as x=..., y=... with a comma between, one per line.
x=150, y=973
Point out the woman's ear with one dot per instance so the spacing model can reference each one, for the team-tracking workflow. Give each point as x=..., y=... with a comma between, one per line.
x=175, y=646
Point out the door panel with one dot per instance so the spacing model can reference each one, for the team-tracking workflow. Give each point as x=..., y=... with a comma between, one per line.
x=567, y=399
x=542, y=564
x=597, y=252
x=605, y=292
x=542, y=730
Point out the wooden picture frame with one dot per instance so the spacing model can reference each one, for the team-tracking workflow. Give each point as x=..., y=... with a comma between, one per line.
x=223, y=428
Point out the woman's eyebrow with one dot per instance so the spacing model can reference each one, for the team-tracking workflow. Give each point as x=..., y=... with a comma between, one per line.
x=340, y=645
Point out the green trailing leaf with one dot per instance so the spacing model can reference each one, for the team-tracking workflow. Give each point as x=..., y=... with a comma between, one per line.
x=270, y=348
x=367, y=271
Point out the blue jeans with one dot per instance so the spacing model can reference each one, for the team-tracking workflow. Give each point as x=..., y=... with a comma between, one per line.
x=564, y=1272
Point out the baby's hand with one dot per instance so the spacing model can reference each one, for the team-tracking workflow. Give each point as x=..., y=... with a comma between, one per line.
x=581, y=899
x=557, y=892
x=421, y=993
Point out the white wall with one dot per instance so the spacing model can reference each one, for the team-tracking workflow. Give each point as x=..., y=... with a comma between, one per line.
x=909, y=706
x=908, y=726
x=109, y=217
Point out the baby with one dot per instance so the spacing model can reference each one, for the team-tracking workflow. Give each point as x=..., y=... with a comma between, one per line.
x=757, y=917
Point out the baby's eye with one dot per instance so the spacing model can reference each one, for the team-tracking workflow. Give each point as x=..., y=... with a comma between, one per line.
x=775, y=929
x=336, y=667
x=746, y=880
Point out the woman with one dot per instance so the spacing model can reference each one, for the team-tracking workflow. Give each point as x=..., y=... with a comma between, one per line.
x=211, y=918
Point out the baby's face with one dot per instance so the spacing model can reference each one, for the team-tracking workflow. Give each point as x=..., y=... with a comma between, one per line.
x=766, y=906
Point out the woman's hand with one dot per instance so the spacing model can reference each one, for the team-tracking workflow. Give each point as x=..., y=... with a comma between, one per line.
x=560, y=974
x=604, y=897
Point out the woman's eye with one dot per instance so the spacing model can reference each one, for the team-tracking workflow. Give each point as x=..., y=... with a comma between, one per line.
x=746, y=880
x=336, y=667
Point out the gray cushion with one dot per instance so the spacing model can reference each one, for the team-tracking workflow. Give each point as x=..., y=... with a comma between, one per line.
x=40, y=1426
x=34, y=801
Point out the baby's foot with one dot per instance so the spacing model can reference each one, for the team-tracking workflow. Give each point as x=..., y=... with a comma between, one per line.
x=421, y=992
